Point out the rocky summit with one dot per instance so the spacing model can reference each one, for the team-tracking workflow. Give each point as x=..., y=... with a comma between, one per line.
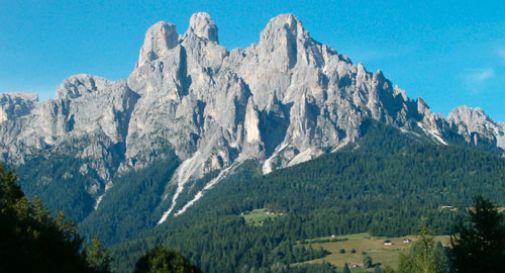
x=284, y=100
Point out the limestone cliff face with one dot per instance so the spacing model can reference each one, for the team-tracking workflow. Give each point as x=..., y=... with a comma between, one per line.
x=476, y=127
x=14, y=105
x=283, y=101
x=88, y=118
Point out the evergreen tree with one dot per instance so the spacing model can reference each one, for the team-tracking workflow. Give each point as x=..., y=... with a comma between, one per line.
x=424, y=257
x=443, y=257
x=367, y=261
x=31, y=240
x=160, y=260
x=479, y=246
x=98, y=257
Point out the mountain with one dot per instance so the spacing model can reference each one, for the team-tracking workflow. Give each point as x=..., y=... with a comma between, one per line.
x=477, y=128
x=192, y=112
x=384, y=184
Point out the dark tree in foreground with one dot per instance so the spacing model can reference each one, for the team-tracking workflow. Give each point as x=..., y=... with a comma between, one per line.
x=346, y=268
x=479, y=246
x=160, y=260
x=31, y=240
x=98, y=257
x=425, y=256
x=367, y=261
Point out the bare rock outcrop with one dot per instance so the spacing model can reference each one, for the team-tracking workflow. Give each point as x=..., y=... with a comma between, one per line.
x=284, y=100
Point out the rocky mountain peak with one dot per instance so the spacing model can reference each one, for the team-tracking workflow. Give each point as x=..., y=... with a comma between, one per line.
x=422, y=106
x=285, y=44
x=477, y=127
x=284, y=100
x=202, y=25
x=79, y=85
x=159, y=38
x=286, y=24
x=16, y=96
x=13, y=105
x=469, y=115
x=284, y=32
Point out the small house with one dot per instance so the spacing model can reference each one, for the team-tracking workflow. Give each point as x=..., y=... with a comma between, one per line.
x=388, y=243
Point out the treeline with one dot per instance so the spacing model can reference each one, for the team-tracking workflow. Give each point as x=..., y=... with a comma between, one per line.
x=382, y=185
x=476, y=245
x=365, y=188
x=31, y=240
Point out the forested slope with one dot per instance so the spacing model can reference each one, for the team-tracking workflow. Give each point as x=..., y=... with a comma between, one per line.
x=384, y=184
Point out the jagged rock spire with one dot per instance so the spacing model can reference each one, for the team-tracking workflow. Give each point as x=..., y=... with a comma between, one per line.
x=159, y=38
x=202, y=25
x=13, y=105
x=284, y=22
x=284, y=100
x=477, y=127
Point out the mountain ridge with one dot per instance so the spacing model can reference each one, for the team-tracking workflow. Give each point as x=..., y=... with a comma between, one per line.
x=284, y=100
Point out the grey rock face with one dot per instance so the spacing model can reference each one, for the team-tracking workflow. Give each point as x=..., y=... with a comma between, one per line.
x=283, y=101
x=14, y=105
x=476, y=127
x=160, y=38
x=201, y=25
x=90, y=115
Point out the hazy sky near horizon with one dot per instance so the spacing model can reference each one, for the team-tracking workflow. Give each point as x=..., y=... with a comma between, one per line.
x=448, y=52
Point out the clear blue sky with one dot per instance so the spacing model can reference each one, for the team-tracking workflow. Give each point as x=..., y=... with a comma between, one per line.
x=448, y=52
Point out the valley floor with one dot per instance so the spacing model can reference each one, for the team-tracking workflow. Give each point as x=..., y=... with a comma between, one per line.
x=364, y=244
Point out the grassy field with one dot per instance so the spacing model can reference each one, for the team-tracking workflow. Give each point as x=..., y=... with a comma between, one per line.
x=258, y=216
x=364, y=243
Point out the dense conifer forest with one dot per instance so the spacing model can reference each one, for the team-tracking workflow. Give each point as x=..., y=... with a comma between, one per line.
x=383, y=185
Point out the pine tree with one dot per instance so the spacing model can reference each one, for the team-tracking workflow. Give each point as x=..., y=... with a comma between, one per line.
x=424, y=257
x=367, y=261
x=31, y=240
x=160, y=260
x=98, y=257
x=479, y=246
